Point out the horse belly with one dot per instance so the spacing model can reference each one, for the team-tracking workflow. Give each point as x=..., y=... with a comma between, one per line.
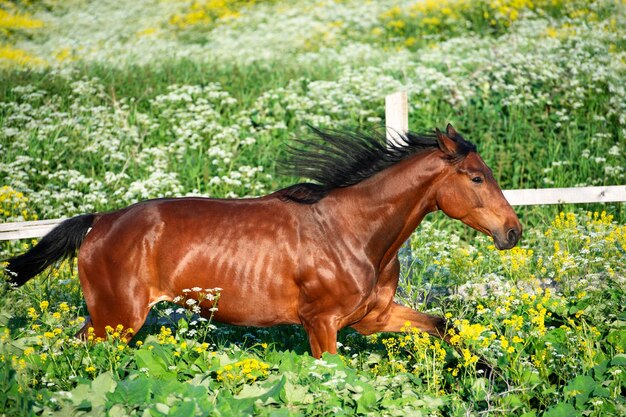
x=255, y=276
x=250, y=293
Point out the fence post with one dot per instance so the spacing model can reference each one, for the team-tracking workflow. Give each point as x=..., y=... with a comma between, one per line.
x=396, y=116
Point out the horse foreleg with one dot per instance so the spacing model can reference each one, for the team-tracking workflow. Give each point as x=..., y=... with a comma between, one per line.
x=395, y=317
x=322, y=336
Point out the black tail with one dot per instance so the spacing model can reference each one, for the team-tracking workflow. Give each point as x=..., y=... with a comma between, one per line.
x=62, y=242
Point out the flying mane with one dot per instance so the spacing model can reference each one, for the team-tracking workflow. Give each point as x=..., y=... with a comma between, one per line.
x=341, y=158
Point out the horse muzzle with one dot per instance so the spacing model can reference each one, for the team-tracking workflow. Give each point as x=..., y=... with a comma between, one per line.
x=508, y=239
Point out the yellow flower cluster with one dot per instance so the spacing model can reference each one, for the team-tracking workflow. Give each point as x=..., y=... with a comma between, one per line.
x=565, y=222
x=10, y=56
x=13, y=204
x=421, y=344
x=205, y=12
x=119, y=333
x=247, y=370
x=442, y=16
x=469, y=333
x=12, y=21
x=518, y=262
x=599, y=219
x=515, y=321
x=165, y=336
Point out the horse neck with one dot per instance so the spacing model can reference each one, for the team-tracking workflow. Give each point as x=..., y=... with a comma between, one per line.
x=385, y=209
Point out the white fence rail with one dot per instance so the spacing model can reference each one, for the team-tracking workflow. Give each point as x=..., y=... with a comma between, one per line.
x=27, y=230
x=397, y=117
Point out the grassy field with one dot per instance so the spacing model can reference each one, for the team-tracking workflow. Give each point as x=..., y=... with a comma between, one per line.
x=106, y=103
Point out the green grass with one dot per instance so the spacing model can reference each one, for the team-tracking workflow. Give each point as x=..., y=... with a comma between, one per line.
x=540, y=96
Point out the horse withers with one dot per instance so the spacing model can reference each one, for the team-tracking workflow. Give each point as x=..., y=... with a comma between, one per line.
x=322, y=254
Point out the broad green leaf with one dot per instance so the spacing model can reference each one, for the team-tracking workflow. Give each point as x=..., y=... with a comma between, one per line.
x=366, y=402
x=334, y=359
x=262, y=393
x=283, y=412
x=251, y=391
x=617, y=338
x=601, y=391
x=162, y=408
x=149, y=360
x=117, y=410
x=132, y=392
x=183, y=409
x=479, y=389
x=600, y=369
x=512, y=401
x=100, y=386
x=558, y=338
x=295, y=394
x=562, y=410
x=80, y=394
x=580, y=388
x=619, y=360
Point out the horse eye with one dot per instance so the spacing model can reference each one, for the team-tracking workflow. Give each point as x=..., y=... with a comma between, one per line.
x=477, y=180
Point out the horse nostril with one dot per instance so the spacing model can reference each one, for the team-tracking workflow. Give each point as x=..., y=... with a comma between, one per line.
x=512, y=235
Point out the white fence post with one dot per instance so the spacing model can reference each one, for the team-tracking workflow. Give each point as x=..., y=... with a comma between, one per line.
x=396, y=116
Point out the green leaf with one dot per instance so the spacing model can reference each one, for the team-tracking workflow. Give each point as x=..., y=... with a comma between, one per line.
x=366, y=402
x=333, y=359
x=478, y=388
x=117, y=410
x=152, y=361
x=512, y=401
x=283, y=412
x=600, y=369
x=100, y=387
x=601, y=391
x=295, y=394
x=164, y=409
x=251, y=391
x=558, y=338
x=580, y=388
x=183, y=409
x=257, y=391
x=132, y=392
x=244, y=405
x=619, y=360
x=433, y=403
x=562, y=410
x=617, y=338
x=81, y=395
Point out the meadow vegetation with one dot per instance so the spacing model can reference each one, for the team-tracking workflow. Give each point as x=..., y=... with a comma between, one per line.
x=106, y=103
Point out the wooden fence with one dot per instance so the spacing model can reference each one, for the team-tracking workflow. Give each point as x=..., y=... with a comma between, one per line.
x=397, y=121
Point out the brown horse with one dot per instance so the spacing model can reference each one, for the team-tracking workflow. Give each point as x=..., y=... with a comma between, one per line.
x=323, y=255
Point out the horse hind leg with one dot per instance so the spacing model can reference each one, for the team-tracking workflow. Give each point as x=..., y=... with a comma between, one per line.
x=126, y=316
x=111, y=301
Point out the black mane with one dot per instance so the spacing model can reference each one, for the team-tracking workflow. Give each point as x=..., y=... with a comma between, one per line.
x=341, y=158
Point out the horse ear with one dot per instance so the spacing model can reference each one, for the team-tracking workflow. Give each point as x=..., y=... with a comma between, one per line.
x=447, y=145
x=450, y=131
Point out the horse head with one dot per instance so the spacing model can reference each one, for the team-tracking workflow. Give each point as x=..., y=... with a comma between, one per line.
x=467, y=191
